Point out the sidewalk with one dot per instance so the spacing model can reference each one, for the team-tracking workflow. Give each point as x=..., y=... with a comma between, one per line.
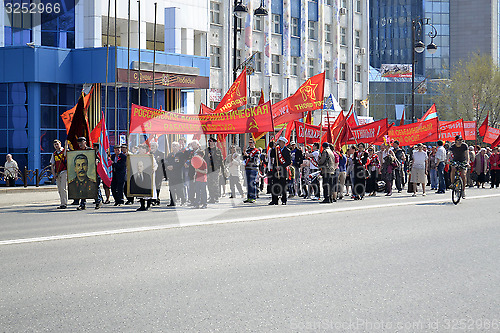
x=28, y=195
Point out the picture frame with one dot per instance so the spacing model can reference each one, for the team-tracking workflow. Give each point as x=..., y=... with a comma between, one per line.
x=140, y=175
x=82, y=174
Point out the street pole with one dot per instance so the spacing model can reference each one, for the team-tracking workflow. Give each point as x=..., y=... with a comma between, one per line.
x=235, y=39
x=413, y=41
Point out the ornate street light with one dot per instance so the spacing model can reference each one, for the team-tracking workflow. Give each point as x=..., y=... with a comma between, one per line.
x=419, y=47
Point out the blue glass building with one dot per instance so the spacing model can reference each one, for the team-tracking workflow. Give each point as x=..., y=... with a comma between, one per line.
x=44, y=70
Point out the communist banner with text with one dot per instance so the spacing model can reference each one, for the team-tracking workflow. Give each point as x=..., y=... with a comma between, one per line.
x=309, y=96
x=448, y=130
x=411, y=134
x=153, y=121
x=309, y=133
x=369, y=133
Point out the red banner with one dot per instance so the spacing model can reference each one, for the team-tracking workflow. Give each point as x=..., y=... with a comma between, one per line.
x=470, y=130
x=368, y=133
x=311, y=132
x=448, y=130
x=281, y=113
x=236, y=96
x=491, y=135
x=309, y=96
x=149, y=120
x=67, y=117
x=411, y=134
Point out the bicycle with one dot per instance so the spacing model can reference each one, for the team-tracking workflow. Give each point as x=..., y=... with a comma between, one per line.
x=457, y=187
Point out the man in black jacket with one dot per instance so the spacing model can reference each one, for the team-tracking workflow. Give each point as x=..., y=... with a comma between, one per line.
x=280, y=160
x=297, y=160
x=213, y=157
x=119, y=166
x=174, y=162
x=160, y=173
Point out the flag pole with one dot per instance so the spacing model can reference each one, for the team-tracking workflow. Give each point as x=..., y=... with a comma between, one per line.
x=154, y=56
x=128, y=72
x=107, y=64
x=116, y=77
x=139, y=48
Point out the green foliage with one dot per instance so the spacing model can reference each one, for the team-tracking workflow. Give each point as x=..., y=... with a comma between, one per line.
x=472, y=91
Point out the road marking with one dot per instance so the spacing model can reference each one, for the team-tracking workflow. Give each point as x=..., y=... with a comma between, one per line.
x=236, y=220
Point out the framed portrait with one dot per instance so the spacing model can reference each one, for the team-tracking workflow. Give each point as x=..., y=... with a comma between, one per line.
x=140, y=175
x=82, y=174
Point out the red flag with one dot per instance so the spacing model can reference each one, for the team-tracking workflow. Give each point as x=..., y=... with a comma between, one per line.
x=277, y=136
x=402, y=121
x=484, y=126
x=308, y=133
x=96, y=132
x=448, y=130
x=496, y=142
x=236, y=96
x=431, y=113
x=470, y=130
x=281, y=113
x=68, y=115
x=203, y=110
x=151, y=138
x=257, y=136
x=289, y=129
x=104, y=168
x=309, y=96
x=221, y=144
x=79, y=124
x=369, y=133
x=491, y=135
x=309, y=118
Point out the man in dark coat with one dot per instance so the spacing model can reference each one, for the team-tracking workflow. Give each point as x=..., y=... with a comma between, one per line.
x=173, y=164
x=213, y=157
x=280, y=160
x=119, y=166
x=160, y=173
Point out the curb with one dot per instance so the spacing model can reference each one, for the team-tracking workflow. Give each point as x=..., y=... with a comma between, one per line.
x=29, y=189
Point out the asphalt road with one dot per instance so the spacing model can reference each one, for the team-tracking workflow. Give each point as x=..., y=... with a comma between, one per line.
x=382, y=264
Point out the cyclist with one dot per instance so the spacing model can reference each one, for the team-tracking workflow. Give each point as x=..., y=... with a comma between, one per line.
x=460, y=160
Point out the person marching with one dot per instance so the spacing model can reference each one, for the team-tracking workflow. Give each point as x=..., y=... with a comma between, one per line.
x=360, y=160
x=119, y=160
x=213, y=157
x=280, y=160
x=252, y=160
x=160, y=174
x=174, y=164
x=328, y=163
x=59, y=168
x=314, y=158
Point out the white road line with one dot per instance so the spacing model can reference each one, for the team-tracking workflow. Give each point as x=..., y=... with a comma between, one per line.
x=236, y=220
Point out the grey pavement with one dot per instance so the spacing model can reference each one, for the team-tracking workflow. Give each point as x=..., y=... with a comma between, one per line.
x=382, y=264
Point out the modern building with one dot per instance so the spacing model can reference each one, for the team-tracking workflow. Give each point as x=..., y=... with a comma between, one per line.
x=48, y=55
x=295, y=40
x=391, y=43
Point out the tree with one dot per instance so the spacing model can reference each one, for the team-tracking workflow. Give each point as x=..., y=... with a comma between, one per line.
x=472, y=91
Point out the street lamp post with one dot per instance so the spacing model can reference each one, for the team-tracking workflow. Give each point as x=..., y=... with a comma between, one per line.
x=418, y=46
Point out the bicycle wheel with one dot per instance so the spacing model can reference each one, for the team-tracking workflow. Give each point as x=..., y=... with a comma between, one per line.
x=456, y=192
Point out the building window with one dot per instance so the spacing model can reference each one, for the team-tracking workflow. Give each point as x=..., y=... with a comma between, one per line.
x=328, y=33
x=357, y=38
x=343, y=36
x=343, y=103
x=358, y=6
x=312, y=67
x=357, y=74
x=295, y=66
x=239, y=23
x=343, y=4
x=258, y=62
x=257, y=25
x=215, y=56
x=343, y=71
x=328, y=71
x=275, y=98
x=295, y=27
x=276, y=64
x=357, y=106
x=312, y=29
x=329, y=2
x=276, y=24
x=214, y=12
x=238, y=58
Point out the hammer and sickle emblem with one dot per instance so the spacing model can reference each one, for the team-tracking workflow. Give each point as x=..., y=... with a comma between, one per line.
x=308, y=90
x=235, y=89
x=253, y=124
x=148, y=125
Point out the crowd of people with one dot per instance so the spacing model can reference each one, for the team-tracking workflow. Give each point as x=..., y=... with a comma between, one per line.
x=284, y=170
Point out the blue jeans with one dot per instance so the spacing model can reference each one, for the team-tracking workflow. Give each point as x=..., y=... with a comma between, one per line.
x=251, y=175
x=434, y=178
x=440, y=172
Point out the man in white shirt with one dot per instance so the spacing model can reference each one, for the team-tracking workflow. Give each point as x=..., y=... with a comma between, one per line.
x=440, y=162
